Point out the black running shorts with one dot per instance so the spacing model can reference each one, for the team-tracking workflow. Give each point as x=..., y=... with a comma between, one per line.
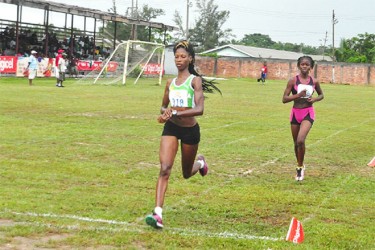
x=295, y=122
x=187, y=135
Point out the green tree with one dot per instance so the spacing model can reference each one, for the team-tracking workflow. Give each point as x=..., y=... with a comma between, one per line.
x=257, y=40
x=292, y=47
x=360, y=49
x=147, y=14
x=310, y=50
x=177, y=19
x=113, y=9
x=207, y=32
x=264, y=41
x=124, y=30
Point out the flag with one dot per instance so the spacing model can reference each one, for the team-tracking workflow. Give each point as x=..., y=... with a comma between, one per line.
x=371, y=163
x=295, y=232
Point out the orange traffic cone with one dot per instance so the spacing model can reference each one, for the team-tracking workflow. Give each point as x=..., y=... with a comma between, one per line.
x=295, y=232
x=371, y=163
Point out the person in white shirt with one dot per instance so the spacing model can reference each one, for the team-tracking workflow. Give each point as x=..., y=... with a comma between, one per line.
x=32, y=66
x=61, y=67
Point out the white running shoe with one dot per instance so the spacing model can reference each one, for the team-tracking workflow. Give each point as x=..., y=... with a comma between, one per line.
x=155, y=221
x=203, y=171
x=300, y=173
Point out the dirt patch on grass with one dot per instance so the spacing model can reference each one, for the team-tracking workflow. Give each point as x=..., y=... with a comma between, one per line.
x=50, y=241
x=35, y=243
x=6, y=223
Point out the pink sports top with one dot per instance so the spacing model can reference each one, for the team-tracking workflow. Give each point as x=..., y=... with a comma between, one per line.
x=298, y=82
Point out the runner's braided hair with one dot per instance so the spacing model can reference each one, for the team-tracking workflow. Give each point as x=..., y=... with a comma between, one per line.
x=308, y=58
x=207, y=86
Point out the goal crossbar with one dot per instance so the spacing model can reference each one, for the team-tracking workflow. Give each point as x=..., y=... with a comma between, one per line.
x=128, y=44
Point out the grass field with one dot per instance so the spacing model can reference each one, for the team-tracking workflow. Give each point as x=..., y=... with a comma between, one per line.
x=78, y=168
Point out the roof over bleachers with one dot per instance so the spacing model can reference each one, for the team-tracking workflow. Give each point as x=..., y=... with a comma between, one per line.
x=86, y=12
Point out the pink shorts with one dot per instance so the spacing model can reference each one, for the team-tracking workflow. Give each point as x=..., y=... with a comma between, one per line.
x=298, y=115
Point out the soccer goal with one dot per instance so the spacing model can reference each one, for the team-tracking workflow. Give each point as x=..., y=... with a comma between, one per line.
x=130, y=59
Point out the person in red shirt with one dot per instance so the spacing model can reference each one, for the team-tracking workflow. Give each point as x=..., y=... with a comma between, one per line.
x=263, y=74
x=57, y=58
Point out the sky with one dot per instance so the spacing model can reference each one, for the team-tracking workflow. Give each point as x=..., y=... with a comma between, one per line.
x=293, y=21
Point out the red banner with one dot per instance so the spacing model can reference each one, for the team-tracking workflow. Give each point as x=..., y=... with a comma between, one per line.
x=152, y=69
x=8, y=64
x=95, y=65
x=15, y=65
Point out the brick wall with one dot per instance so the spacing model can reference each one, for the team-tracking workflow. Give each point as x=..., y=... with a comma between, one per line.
x=325, y=72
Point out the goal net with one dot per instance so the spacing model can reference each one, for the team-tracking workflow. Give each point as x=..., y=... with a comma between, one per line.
x=130, y=60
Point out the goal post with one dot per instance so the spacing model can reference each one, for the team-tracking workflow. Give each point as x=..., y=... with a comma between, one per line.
x=126, y=62
x=130, y=59
x=147, y=63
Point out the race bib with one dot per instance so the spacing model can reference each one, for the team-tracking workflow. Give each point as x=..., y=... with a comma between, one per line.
x=309, y=90
x=178, y=98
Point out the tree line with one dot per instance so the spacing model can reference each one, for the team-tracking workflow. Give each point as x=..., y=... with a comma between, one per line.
x=208, y=33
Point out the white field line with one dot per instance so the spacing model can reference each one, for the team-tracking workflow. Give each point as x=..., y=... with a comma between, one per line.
x=238, y=140
x=332, y=194
x=243, y=138
x=214, y=78
x=340, y=131
x=223, y=126
x=315, y=143
x=273, y=160
x=180, y=231
x=131, y=227
x=336, y=190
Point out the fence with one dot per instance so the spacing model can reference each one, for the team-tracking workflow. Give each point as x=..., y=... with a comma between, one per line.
x=325, y=72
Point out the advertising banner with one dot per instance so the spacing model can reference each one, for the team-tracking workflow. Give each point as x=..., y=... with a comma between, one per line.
x=17, y=65
x=45, y=67
x=96, y=65
x=152, y=69
x=8, y=64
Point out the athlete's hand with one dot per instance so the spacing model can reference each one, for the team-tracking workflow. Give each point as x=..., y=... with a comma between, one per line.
x=302, y=93
x=310, y=99
x=165, y=116
x=161, y=119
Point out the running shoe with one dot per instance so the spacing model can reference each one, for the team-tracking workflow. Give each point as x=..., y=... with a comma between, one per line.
x=203, y=171
x=300, y=173
x=154, y=220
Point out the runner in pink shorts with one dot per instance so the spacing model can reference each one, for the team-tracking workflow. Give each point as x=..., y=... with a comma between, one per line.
x=300, y=90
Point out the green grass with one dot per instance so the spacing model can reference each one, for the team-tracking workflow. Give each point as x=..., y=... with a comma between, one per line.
x=80, y=163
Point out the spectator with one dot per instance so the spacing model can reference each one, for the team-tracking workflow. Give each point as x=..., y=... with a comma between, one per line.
x=73, y=70
x=263, y=73
x=32, y=67
x=57, y=71
x=62, y=69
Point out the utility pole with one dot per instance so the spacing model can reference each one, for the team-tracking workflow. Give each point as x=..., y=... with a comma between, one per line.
x=134, y=15
x=324, y=44
x=131, y=15
x=188, y=5
x=137, y=17
x=334, y=21
x=114, y=7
